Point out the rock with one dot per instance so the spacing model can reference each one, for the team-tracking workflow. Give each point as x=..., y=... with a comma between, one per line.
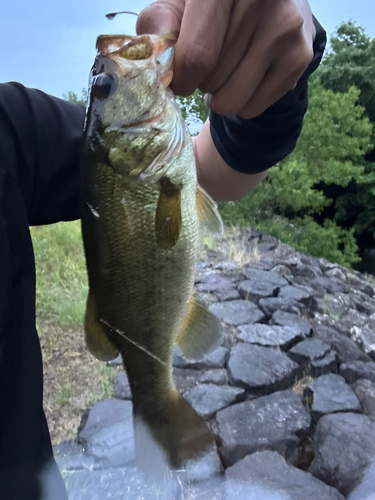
x=360, y=284
x=115, y=362
x=283, y=271
x=231, y=294
x=336, y=274
x=346, y=349
x=264, y=474
x=237, y=312
x=67, y=449
x=254, y=291
x=292, y=293
x=354, y=371
x=271, y=336
x=283, y=318
x=277, y=422
x=108, y=433
x=365, y=392
x=329, y=285
x=204, y=490
x=207, y=399
x=360, y=303
x=226, y=266
x=215, y=359
x=365, y=487
x=344, y=446
x=116, y=484
x=185, y=379
x=261, y=370
x=328, y=364
x=206, y=467
x=267, y=278
x=213, y=282
x=329, y=394
x=122, y=387
x=205, y=298
x=70, y=456
x=309, y=350
x=365, y=337
x=272, y=304
x=216, y=376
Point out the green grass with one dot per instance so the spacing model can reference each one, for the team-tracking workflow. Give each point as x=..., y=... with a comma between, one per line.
x=60, y=273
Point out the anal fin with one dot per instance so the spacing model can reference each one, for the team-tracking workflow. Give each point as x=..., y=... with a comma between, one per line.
x=97, y=340
x=201, y=332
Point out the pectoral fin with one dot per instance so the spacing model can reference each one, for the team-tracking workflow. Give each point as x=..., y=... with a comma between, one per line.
x=201, y=332
x=168, y=221
x=96, y=338
x=208, y=215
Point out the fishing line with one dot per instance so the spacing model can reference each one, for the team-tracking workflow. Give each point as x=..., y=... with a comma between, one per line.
x=112, y=15
x=122, y=334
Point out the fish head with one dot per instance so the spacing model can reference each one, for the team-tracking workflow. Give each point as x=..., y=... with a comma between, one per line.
x=129, y=100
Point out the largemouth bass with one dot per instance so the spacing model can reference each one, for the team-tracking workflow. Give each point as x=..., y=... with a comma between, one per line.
x=141, y=213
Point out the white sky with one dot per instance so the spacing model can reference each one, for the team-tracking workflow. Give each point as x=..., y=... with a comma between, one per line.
x=51, y=45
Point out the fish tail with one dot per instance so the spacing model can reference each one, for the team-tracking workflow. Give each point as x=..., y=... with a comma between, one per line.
x=169, y=436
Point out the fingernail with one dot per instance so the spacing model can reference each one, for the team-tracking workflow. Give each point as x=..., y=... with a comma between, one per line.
x=208, y=99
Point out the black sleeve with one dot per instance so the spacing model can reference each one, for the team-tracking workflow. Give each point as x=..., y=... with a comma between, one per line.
x=40, y=138
x=252, y=146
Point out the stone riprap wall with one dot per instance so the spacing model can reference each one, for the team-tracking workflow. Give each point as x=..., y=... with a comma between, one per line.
x=289, y=395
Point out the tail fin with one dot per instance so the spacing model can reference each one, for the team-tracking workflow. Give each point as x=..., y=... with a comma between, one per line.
x=173, y=435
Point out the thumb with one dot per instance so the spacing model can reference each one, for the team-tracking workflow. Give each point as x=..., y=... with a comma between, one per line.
x=163, y=16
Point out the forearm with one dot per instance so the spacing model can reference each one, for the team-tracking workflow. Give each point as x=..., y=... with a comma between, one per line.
x=216, y=177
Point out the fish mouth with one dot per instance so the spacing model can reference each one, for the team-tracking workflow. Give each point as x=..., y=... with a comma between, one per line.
x=135, y=48
x=146, y=50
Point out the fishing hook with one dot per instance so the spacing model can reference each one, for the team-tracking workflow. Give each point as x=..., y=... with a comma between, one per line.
x=113, y=14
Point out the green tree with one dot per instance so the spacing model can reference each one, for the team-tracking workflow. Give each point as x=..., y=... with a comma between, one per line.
x=72, y=97
x=292, y=201
x=351, y=62
x=194, y=107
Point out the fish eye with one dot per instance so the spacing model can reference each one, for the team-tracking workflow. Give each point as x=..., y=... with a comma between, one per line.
x=102, y=85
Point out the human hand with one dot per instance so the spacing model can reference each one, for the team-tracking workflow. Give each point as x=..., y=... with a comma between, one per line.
x=244, y=54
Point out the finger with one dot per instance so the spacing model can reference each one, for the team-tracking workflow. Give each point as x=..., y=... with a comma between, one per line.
x=198, y=47
x=276, y=83
x=239, y=36
x=242, y=83
x=163, y=16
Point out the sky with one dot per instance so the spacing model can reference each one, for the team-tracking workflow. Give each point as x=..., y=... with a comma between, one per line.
x=51, y=45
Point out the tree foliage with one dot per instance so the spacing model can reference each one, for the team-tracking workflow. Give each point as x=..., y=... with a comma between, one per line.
x=330, y=152
x=351, y=62
x=73, y=97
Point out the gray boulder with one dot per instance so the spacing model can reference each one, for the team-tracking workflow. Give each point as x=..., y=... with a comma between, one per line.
x=283, y=318
x=356, y=370
x=207, y=399
x=309, y=350
x=344, y=447
x=365, y=392
x=108, y=433
x=346, y=348
x=277, y=422
x=270, y=336
x=215, y=359
x=266, y=475
x=261, y=370
x=237, y=312
x=117, y=484
x=258, y=276
x=329, y=394
x=121, y=387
